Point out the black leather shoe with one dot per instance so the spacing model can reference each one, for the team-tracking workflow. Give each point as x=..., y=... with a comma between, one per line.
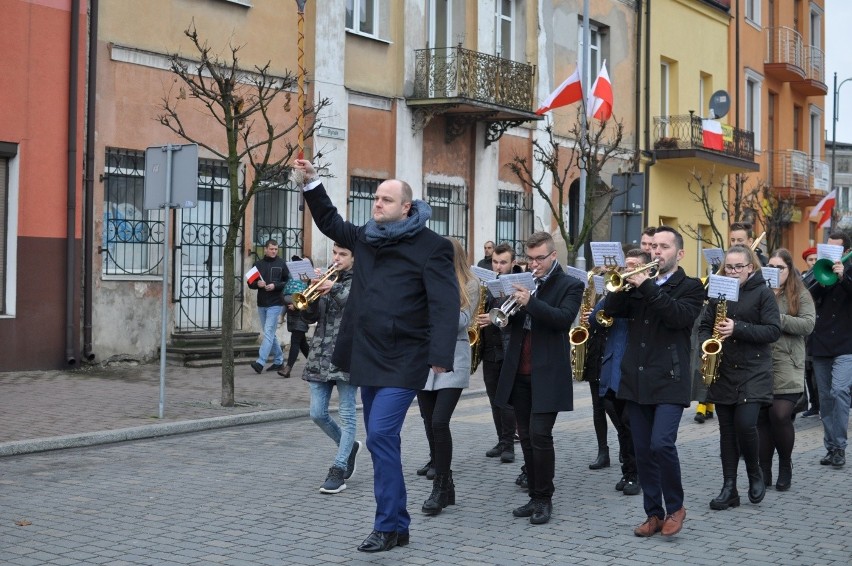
x=522, y=480
x=379, y=541
x=728, y=497
x=524, y=510
x=508, y=454
x=826, y=460
x=543, y=510
x=785, y=475
x=256, y=367
x=425, y=469
x=275, y=367
x=700, y=418
x=838, y=460
x=602, y=461
x=402, y=539
x=496, y=451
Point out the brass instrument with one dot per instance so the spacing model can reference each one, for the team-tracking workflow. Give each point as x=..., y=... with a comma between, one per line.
x=823, y=271
x=579, y=335
x=604, y=320
x=473, y=331
x=711, y=349
x=616, y=281
x=302, y=300
x=500, y=316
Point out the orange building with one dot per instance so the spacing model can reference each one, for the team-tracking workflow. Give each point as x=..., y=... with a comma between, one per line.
x=41, y=137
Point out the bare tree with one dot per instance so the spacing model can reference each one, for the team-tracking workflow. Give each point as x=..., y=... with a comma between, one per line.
x=245, y=104
x=591, y=150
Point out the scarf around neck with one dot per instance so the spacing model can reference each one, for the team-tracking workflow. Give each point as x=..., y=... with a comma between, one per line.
x=389, y=232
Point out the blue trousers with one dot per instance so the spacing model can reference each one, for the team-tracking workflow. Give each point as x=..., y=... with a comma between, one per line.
x=384, y=414
x=834, y=381
x=654, y=429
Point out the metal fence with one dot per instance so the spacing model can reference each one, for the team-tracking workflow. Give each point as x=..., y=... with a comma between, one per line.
x=362, y=191
x=279, y=216
x=449, y=210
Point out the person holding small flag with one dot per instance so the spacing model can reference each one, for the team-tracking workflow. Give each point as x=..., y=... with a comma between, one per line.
x=268, y=277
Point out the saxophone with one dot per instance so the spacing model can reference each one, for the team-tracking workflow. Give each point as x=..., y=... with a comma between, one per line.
x=473, y=331
x=711, y=349
x=579, y=335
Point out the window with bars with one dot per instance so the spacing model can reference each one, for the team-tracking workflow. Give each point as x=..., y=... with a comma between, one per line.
x=278, y=216
x=514, y=218
x=449, y=210
x=132, y=242
x=362, y=192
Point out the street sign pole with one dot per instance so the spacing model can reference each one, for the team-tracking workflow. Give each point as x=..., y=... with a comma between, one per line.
x=169, y=149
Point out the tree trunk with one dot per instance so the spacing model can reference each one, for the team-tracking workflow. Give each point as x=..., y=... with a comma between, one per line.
x=228, y=294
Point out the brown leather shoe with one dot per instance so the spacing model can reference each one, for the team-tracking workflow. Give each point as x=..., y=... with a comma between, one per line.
x=650, y=527
x=674, y=523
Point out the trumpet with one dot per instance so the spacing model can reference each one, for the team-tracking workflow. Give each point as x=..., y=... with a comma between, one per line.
x=500, y=316
x=616, y=281
x=302, y=300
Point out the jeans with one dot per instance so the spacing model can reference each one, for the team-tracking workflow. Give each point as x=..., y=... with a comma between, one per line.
x=834, y=380
x=269, y=322
x=342, y=434
x=654, y=429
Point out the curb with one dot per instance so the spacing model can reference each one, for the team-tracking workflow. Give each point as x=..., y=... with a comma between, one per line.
x=82, y=440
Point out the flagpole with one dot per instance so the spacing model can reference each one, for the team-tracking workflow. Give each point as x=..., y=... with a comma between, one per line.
x=585, y=76
x=300, y=53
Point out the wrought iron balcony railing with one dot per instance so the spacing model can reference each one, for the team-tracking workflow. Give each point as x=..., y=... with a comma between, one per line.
x=784, y=45
x=455, y=72
x=686, y=132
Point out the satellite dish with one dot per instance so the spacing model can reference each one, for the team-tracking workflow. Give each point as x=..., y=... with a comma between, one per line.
x=720, y=103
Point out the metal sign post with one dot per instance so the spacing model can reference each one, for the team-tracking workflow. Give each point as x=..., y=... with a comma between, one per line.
x=181, y=162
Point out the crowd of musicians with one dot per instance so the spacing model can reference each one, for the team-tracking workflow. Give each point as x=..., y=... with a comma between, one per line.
x=400, y=315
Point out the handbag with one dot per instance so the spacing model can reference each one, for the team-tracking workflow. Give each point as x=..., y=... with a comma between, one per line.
x=801, y=404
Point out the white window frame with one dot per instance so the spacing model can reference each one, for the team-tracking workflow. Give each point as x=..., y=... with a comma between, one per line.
x=815, y=132
x=355, y=27
x=499, y=40
x=13, y=190
x=753, y=93
x=595, y=54
x=752, y=11
x=665, y=85
x=815, y=23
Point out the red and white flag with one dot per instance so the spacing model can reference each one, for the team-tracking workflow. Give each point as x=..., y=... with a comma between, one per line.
x=252, y=275
x=601, y=100
x=823, y=209
x=567, y=93
x=712, y=135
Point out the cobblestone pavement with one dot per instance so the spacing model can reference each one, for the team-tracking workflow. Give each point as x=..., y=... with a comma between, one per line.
x=248, y=495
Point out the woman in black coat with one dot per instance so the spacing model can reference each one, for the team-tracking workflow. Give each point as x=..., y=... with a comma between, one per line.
x=744, y=382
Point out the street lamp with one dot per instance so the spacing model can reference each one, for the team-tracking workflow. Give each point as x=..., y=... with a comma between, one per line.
x=834, y=126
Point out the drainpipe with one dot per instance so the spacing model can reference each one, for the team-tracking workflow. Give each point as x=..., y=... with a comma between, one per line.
x=637, y=96
x=89, y=196
x=648, y=150
x=71, y=200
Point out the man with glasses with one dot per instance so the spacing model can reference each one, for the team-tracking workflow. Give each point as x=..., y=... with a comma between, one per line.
x=536, y=375
x=656, y=378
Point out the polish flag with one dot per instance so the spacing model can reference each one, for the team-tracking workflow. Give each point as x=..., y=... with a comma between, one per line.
x=568, y=92
x=252, y=275
x=823, y=209
x=600, y=100
x=712, y=135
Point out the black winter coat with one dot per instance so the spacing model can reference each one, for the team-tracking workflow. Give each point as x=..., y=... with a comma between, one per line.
x=657, y=366
x=745, y=369
x=552, y=311
x=272, y=270
x=832, y=335
x=402, y=315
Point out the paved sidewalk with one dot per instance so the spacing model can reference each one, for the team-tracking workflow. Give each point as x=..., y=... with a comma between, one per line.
x=43, y=410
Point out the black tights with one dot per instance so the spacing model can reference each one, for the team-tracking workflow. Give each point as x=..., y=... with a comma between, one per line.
x=598, y=415
x=298, y=342
x=738, y=435
x=436, y=408
x=775, y=427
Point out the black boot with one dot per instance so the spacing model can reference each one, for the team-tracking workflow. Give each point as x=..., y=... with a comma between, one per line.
x=766, y=470
x=756, y=487
x=443, y=494
x=785, y=475
x=728, y=497
x=602, y=461
x=427, y=469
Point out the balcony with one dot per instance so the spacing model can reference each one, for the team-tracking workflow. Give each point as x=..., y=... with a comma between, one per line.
x=682, y=138
x=793, y=175
x=814, y=82
x=468, y=87
x=785, y=59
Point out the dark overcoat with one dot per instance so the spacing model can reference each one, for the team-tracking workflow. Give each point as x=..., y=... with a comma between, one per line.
x=552, y=311
x=656, y=367
x=745, y=369
x=403, y=308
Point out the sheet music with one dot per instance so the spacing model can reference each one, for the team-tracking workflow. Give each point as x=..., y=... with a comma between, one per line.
x=607, y=254
x=772, y=275
x=829, y=251
x=714, y=256
x=484, y=275
x=722, y=286
x=525, y=279
x=600, y=284
x=301, y=269
x=577, y=273
x=495, y=287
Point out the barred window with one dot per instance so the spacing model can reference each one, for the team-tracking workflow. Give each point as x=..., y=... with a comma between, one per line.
x=362, y=192
x=514, y=218
x=278, y=216
x=132, y=237
x=449, y=210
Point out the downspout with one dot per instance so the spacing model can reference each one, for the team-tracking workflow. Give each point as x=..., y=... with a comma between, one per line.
x=71, y=199
x=638, y=94
x=648, y=151
x=89, y=196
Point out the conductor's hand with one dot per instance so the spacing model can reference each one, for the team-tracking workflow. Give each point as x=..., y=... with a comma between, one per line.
x=306, y=167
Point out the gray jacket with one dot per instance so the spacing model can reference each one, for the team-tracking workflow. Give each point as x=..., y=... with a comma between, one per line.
x=788, y=353
x=327, y=313
x=459, y=378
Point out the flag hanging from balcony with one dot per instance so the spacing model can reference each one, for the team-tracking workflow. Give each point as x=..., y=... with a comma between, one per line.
x=822, y=211
x=567, y=93
x=712, y=135
x=601, y=100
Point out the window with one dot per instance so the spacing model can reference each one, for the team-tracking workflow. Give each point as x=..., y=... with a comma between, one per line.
x=369, y=17
x=843, y=202
x=278, y=216
x=132, y=242
x=449, y=210
x=504, y=29
x=362, y=191
x=752, y=11
x=514, y=218
x=595, y=53
x=816, y=26
x=815, y=133
x=797, y=128
x=8, y=225
x=664, y=98
x=752, y=106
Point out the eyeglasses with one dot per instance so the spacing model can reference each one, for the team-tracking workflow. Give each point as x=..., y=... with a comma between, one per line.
x=736, y=268
x=539, y=259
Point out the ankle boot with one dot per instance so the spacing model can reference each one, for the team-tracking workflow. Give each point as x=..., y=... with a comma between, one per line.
x=766, y=471
x=785, y=475
x=756, y=487
x=602, y=461
x=728, y=497
x=443, y=494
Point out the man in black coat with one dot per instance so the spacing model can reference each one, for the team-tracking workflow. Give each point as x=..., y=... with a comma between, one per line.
x=536, y=375
x=656, y=375
x=401, y=319
x=270, y=304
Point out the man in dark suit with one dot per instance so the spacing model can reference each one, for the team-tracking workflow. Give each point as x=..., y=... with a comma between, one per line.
x=400, y=320
x=536, y=374
x=656, y=375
